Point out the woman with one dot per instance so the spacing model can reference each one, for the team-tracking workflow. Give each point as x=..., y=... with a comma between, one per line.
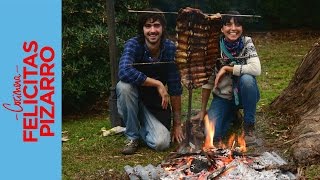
x=233, y=84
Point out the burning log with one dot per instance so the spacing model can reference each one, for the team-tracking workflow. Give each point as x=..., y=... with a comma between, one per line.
x=220, y=171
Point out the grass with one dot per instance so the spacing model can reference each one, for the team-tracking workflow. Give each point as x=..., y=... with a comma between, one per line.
x=279, y=60
x=89, y=155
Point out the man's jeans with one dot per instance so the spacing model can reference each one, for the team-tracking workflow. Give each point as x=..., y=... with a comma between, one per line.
x=138, y=120
x=223, y=111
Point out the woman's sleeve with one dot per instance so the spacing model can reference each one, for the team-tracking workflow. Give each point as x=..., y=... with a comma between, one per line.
x=253, y=65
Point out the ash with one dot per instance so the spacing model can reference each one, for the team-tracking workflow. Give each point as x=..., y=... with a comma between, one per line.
x=193, y=167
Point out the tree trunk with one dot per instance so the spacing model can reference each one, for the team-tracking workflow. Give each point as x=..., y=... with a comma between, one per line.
x=302, y=99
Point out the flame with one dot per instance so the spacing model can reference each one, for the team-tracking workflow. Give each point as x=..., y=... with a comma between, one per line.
x=209, y=125
x=242, y=143
x=231, y=141
x=210, y=130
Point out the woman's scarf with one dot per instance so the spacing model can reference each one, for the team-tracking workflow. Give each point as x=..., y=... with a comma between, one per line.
x=230, y=50
x=235, y=47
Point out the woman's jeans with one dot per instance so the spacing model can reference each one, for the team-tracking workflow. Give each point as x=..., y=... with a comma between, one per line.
x=223, y=111
x=138, y=120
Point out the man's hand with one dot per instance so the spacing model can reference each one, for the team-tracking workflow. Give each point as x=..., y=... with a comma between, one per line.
x=177, y=134
x=161, y=90
x=164, y=95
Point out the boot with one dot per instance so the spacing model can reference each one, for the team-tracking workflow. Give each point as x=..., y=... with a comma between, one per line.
x=131, y=147
x=249, y=135
x=238, y=120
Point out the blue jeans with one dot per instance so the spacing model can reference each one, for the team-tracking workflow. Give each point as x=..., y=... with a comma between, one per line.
x=223, y=111
x=140, y=123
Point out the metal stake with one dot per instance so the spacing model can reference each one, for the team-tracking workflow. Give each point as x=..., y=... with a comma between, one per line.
x=171, y=12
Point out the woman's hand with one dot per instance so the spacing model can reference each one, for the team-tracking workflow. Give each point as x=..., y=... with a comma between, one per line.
x=221, y=73
x=198, y=117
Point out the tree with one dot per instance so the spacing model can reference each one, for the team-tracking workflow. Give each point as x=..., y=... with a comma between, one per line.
x=301, y=100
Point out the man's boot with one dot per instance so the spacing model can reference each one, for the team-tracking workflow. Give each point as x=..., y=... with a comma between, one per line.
x=249, y=135
x=131, y=147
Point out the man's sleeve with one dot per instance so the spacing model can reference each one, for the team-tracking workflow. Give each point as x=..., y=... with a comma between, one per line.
x=127, y=72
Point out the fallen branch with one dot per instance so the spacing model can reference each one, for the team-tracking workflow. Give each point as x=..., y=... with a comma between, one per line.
x=302, y=136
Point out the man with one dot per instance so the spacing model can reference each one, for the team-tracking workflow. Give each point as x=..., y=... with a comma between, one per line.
x=142, y=96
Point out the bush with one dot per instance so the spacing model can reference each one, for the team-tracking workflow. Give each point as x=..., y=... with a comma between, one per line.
x=86, y=67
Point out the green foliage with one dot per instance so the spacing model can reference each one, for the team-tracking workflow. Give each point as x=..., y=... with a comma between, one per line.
x=86, y=66
x=312, y=172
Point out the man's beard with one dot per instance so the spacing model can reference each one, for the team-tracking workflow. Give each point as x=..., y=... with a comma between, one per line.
x=152, y=41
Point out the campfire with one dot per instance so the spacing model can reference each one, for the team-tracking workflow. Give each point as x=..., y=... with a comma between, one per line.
x=215, y=161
